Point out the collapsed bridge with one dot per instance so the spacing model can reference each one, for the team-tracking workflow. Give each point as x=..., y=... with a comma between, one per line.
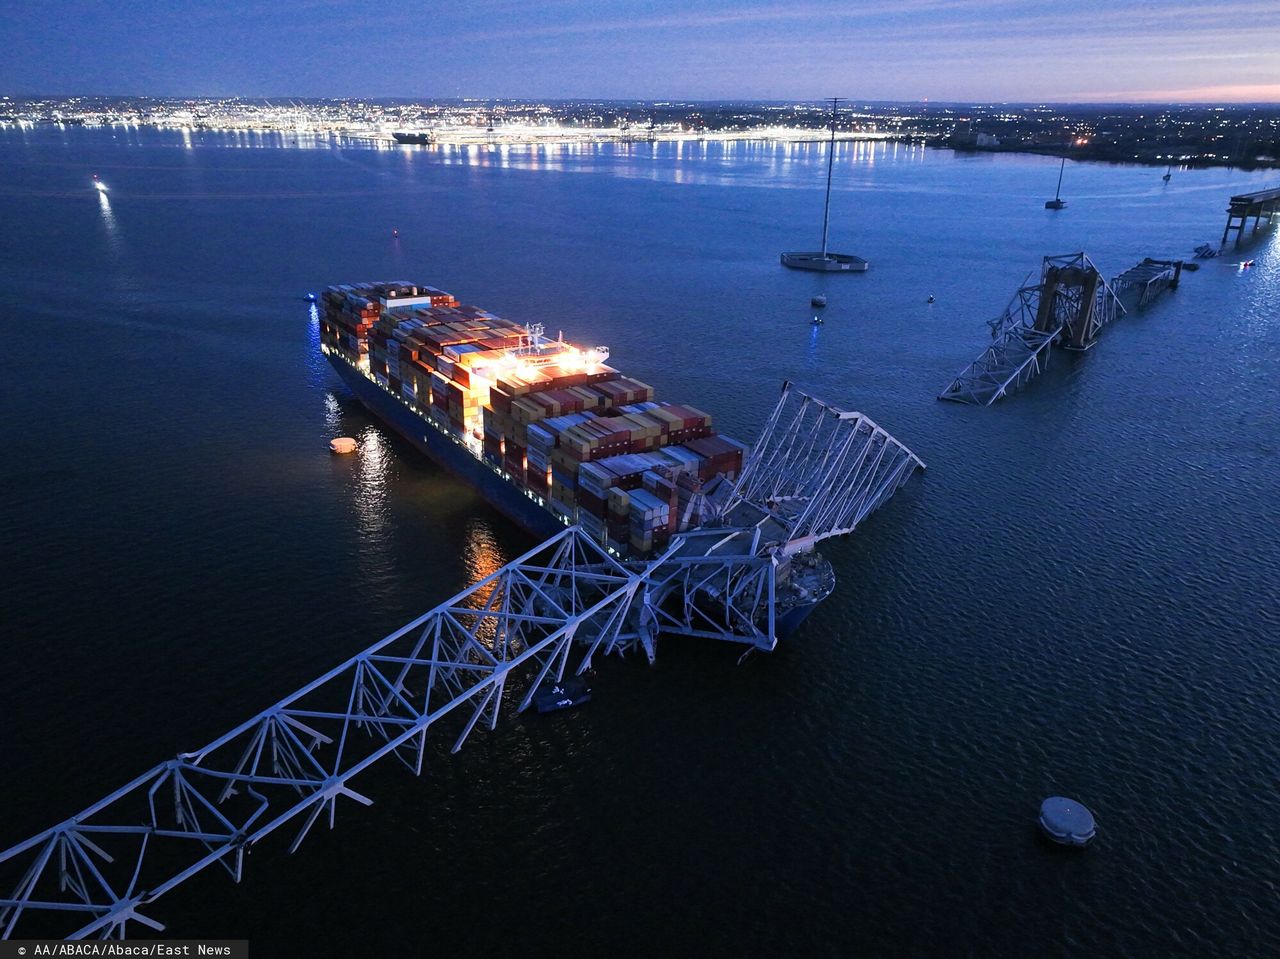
x=1068, y=307
x=746, y=578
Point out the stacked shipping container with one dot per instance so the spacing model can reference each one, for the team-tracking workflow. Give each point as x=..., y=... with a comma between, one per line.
x=589, y=442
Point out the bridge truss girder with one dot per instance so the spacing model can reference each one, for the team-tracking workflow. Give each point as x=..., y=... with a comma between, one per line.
x=1069, y=305
x=818, y=471
x=545, y=615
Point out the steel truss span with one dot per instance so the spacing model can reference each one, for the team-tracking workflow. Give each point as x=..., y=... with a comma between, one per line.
x=816, y=472
x=546, y=614
x=1069, y=305
x=819, y=471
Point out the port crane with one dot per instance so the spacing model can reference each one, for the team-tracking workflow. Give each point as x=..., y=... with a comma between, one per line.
x=816, y=472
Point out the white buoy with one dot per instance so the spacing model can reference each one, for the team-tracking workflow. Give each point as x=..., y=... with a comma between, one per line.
x=343, y=444
x=1066, y=821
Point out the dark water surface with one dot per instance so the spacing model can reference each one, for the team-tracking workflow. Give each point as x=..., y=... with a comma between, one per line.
x=1080, y=595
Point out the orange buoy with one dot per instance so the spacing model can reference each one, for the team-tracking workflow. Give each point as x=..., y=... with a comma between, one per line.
x=343, y=444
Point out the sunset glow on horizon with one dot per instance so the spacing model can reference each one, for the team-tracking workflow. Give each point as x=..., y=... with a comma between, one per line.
x=905, y=50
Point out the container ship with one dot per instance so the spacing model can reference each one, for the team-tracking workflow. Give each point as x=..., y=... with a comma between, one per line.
x=546, y=430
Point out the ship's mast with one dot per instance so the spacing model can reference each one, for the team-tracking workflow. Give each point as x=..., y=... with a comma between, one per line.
x=831, y=156
x=1057, y=194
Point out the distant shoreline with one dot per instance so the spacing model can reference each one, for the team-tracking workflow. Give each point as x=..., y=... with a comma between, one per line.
x=522, y=137
x=1099, y=155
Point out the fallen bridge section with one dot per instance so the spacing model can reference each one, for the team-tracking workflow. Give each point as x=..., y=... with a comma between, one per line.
x=816, y=472
x=1069, y=306
x=745, y=578
x=453, y=669
x=1141, y=285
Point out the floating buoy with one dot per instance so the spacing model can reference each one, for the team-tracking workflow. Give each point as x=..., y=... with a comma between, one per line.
x=343, y=444
x=1066, y=821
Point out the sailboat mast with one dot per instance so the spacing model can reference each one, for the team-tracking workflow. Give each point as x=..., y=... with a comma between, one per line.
x=831, y=156
x=1057, y=194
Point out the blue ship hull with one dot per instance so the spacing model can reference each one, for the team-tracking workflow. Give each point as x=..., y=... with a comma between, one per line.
x=450, y=453
x=790, y=621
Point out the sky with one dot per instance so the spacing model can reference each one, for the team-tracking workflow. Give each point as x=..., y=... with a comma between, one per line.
x=943, y=50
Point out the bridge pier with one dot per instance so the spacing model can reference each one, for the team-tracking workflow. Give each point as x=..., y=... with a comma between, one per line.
x=1263, y=203
x=1068, y=306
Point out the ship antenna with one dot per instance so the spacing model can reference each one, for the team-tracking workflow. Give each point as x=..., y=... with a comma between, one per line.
x=831, y=156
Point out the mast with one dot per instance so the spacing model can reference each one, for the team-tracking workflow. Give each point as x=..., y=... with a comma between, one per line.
x=831, y=155
x=1057, y=194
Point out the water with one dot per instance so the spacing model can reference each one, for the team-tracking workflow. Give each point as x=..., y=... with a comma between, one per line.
x=1079, y=596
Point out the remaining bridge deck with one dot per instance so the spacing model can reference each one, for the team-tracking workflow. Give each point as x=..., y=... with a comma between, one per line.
x=1242, y=206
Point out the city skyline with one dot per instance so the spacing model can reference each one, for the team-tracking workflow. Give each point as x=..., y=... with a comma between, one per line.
x=941, y=50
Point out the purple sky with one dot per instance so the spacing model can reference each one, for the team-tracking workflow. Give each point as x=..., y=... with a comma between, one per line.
x=900, y=50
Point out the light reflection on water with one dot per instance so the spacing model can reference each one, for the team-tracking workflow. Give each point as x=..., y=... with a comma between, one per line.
x=371, y=504
x=481, y=554
x=482, y=557
x=108, y=218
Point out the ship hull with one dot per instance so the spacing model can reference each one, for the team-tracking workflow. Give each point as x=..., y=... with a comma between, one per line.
x=790, y=621
x=476, y=473
x=450, y=454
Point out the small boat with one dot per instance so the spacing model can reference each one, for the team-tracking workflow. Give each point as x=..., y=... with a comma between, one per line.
x=818, y=300
x=825, y=261
x=816, y=321
x=1057, y=203
x=565, y=694
x=342, y=444
x=1168, y=174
